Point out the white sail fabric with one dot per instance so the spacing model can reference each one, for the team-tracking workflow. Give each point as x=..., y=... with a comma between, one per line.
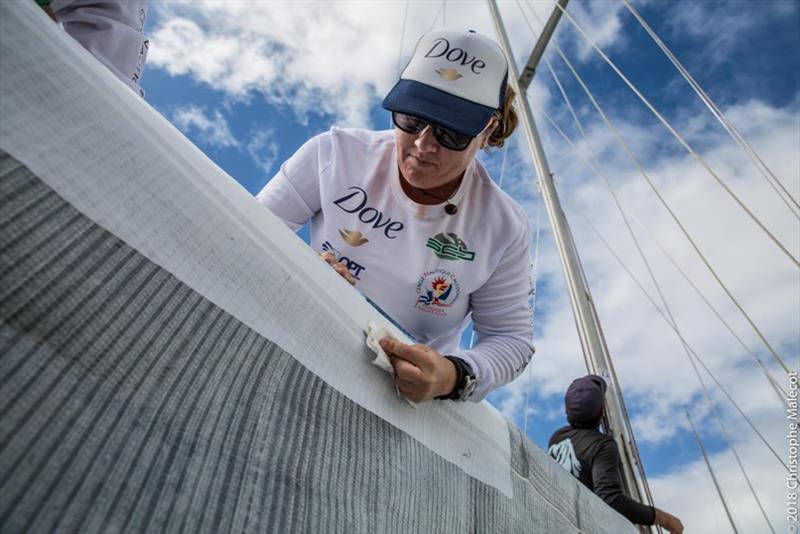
x=174, y=358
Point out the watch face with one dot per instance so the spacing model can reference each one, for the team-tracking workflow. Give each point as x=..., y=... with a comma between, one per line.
x=469, y=387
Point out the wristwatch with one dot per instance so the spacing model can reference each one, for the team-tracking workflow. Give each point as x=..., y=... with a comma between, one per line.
x=465, y=381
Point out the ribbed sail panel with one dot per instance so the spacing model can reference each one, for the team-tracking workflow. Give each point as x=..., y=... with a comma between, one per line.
x=172, y=358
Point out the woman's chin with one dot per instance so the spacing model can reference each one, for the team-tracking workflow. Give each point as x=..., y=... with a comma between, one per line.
x=417, y=177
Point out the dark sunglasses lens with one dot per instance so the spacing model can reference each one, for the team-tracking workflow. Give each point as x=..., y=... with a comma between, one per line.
x=450, y=139
x=408, y=123
x=445, y=137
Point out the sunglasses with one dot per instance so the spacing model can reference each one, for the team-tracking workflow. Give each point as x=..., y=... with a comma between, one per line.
x=445, y=137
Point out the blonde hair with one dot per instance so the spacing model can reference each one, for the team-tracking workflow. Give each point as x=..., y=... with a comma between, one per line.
x=507, y=118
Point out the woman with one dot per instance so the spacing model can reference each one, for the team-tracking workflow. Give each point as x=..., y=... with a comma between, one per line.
x=415, y=222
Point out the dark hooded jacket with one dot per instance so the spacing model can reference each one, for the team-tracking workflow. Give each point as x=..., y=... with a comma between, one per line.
x=593, y=458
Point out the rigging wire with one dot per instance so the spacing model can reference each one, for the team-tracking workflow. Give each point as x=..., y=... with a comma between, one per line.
x=594, y=166
x=779, y=391
x=680, y=336
x=710, y=470
x=400, y=53
x=663, y=201
x=670, y=323
x=436, y=18
x=678, y=136
x=402, y=41
x=535, y=270
x=500, y=185
x=593, y=159
x=672, y=318
x=762, y=167
x=731, y=447
x=503, y=165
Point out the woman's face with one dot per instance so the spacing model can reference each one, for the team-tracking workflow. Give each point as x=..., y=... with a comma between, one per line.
x=426, y=164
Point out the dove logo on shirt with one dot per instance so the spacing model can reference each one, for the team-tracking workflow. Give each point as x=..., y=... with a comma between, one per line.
x=353, y=238
x=356, y=203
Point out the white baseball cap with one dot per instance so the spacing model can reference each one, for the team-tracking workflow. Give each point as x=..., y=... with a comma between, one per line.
x=455, y=78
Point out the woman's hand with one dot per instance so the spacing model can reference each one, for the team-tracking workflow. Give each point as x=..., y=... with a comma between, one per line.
x=421, y=373
x=338, y=267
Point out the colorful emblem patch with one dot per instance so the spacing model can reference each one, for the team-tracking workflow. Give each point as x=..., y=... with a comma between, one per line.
x=449, y=246
x=437, y=290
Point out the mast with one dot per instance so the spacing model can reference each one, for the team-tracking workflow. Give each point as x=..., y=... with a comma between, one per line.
x=593, y=344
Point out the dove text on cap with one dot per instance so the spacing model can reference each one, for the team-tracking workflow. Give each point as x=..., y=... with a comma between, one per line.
x=441, y=47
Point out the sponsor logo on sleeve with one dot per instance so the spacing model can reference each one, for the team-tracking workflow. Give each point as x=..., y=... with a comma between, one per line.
x=355, y=202
x=353, y=267
x=564, y=453
x=354, y=238
x=437, y=290
x=449, y=246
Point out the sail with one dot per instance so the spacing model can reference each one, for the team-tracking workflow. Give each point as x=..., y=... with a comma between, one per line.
x=174, y=359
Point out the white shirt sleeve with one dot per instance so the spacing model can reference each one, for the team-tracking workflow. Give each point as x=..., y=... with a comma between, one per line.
x=502, y=317
x=293, y=193
x=112, y=30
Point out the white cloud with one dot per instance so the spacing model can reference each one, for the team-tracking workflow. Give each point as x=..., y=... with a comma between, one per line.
x=213, y=130
x=724, y=30
x=602, y=23
x=335, y=60
x=746, y=260
x=291, y=55
x=681, y=491
x=263, y=150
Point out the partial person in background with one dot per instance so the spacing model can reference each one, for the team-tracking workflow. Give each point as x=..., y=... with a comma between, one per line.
x=593, y=458
x=416, y=223
x=112, y=30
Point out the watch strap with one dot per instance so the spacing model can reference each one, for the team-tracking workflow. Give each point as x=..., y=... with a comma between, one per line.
x=465, y=380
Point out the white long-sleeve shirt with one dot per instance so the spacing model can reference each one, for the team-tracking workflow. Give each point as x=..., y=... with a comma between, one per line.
x=112, y=30
x=429, y=271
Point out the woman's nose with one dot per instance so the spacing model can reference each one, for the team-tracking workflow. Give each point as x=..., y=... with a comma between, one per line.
x=426, y=141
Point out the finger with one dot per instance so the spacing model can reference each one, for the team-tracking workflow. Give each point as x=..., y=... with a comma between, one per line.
x=338, y=267
x=406, y=383
x=387, y=344
x=342, y=270
x=398, y=348
x=410, y=393
x=406, y=371
x=328, y=257
x=419, y=355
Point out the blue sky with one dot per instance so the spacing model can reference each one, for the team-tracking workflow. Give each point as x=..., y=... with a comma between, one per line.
x=250, y=82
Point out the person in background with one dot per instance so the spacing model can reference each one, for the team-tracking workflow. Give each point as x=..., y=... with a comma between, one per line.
x=593, y=458
x=112, y=30
x=416, y=223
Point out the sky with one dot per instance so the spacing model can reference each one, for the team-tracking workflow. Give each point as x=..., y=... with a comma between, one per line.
x=249, y=82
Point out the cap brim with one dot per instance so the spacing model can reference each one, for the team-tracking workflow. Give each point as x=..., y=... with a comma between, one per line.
x=444, y=109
